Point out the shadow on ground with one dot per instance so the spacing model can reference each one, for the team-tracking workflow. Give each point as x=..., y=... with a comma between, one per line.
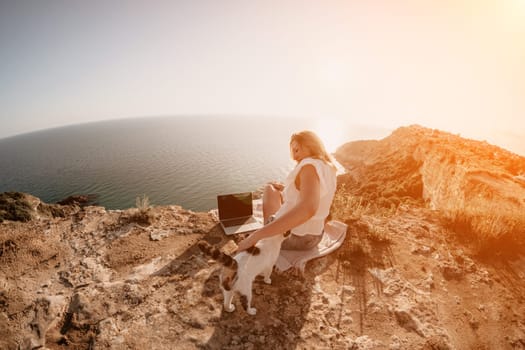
x=359, y=253
x=282, y=308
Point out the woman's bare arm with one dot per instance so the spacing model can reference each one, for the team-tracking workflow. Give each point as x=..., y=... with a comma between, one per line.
x=306, y=207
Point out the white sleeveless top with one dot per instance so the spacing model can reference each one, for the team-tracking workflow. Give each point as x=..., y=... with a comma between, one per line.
x=327, y=182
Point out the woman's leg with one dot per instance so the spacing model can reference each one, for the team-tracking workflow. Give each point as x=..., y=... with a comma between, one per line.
x=271, y=201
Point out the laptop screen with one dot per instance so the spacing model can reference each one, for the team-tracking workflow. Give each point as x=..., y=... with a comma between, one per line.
x=234, y=205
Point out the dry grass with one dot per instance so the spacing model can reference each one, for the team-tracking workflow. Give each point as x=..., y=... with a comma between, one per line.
x=490, y=227
x=142, y=203
x=143, y=215
x=366, y=242
x=347, y=207
x=378, y=234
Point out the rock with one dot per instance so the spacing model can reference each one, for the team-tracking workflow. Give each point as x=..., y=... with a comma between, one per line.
x=185, y=231
x=390, y=280
x=46, y=313
x=428, y=283
x=109, y=332
x=436, y=343
x=197, y=322
x=406, y=319
x=364, y=342
x=452, y=272
x=158, y=235
x=395, y=343
x=423, y=250
x=80, y=200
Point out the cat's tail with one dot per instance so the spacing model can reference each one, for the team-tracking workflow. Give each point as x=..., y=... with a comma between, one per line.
x=216, y=254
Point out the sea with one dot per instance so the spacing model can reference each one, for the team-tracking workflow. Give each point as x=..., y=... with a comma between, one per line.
x=184, y=161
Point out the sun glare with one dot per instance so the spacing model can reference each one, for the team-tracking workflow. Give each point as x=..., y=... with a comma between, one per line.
x=331, y=132
x=520, y=4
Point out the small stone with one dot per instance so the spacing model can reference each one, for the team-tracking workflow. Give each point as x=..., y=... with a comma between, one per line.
x=395, y=343
x=408, y=321
x=185, y=231
x=158, y=235
x=474, y=324
x=452, y=272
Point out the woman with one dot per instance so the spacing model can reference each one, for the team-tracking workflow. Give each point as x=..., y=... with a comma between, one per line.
x=302, y=204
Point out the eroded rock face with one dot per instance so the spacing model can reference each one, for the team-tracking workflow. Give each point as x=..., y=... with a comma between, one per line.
x=17, y=206
x=476, y=187
x=453, y=171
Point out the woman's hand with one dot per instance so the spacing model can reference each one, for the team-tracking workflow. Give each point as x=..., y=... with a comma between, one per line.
x=277, y=185
x=246, y=243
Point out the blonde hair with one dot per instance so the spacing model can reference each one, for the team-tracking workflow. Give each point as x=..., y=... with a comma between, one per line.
x=313, y=144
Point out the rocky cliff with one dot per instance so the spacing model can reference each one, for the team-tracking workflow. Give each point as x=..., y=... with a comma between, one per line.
x=78, y=276
x=479, y=187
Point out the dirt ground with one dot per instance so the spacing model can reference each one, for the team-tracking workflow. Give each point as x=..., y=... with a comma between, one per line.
x=84, y=282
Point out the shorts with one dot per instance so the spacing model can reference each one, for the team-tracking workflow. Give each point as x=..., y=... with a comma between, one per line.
x=295, y=242
x=306, y=242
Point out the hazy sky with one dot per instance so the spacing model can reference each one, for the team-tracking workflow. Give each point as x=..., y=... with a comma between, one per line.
x=456, y=65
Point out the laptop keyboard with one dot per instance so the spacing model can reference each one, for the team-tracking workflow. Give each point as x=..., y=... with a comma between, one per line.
x=239, y=221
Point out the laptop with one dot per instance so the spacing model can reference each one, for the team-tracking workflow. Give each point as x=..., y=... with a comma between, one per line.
x=236, y=213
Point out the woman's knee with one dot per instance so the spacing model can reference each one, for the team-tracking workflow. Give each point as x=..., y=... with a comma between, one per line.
x=271, y=192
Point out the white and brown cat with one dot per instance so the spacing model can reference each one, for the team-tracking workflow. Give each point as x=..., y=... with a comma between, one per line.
x=239, y=271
